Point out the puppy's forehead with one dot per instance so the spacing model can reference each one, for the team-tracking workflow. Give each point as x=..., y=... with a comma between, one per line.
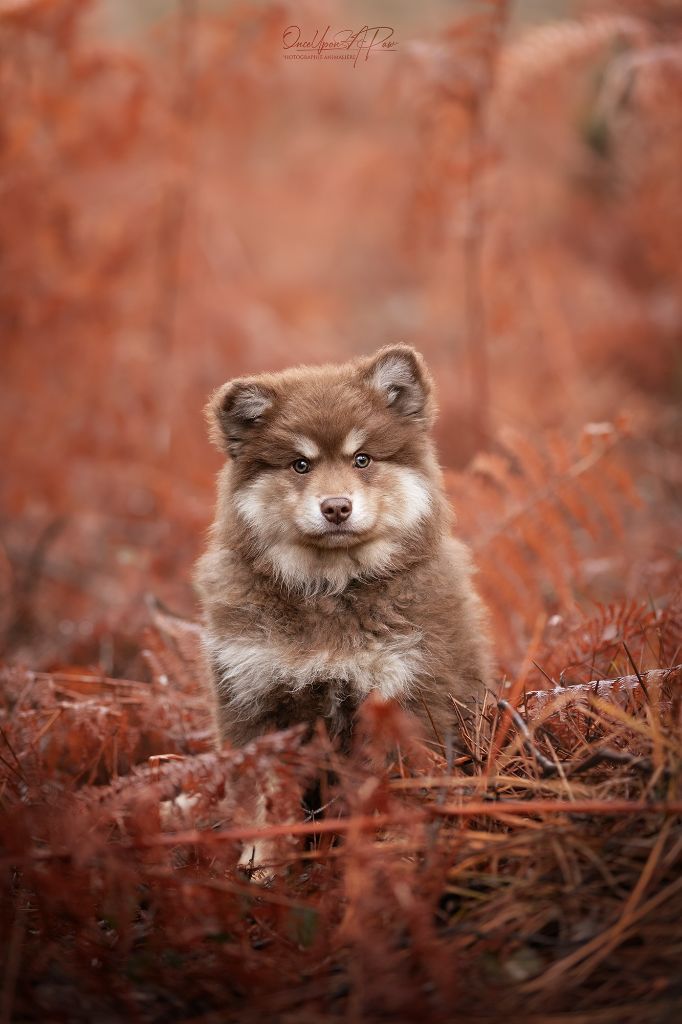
x=326, y=417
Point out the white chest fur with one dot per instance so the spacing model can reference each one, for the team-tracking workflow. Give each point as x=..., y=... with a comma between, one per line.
x=250, y=668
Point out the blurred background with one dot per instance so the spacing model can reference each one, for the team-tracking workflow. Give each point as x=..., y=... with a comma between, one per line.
x=181, y=204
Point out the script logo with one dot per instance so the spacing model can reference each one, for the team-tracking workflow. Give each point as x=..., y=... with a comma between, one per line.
x=342, y=44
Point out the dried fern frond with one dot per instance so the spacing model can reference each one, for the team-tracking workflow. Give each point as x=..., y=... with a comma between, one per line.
x=534, y=513
x=611, y=639
x=549, y=50
x=88, y=728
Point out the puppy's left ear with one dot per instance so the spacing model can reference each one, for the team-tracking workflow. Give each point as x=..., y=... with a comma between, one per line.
x=399, y=374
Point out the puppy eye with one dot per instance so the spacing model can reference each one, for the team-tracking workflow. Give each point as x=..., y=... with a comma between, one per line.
x=361, y=460
x=300, y=465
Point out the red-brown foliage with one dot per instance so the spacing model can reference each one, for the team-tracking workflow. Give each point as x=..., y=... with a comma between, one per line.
x=186, y=205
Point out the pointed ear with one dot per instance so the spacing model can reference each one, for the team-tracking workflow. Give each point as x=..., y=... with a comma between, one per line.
x=235, y=410
x=400, y=376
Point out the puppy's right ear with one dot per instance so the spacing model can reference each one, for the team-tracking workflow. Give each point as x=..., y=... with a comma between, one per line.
x=235, y=410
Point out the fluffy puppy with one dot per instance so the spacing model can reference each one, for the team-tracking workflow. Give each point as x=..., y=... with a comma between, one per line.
x=330, y=572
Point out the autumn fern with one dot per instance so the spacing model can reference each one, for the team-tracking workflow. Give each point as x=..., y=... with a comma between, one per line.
x=535, y=513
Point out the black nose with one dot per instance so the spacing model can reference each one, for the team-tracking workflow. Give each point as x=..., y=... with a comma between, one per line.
x=336, y=510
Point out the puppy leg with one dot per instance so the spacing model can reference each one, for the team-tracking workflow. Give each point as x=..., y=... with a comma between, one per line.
x=257, y=854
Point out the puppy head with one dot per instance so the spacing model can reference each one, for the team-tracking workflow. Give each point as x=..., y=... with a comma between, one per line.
x=332, y=471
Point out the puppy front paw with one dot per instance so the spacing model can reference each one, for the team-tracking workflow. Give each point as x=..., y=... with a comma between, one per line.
x=255, y=861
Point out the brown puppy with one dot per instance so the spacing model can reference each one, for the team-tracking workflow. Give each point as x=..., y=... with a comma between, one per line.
x=330, y=572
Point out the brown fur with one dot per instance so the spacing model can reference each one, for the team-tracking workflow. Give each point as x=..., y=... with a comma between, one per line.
x=302, y=624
